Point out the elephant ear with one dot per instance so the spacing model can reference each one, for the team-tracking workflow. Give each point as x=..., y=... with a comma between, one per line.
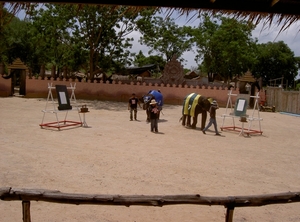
x=207, y=103
x=141, y=99
x=146, y=100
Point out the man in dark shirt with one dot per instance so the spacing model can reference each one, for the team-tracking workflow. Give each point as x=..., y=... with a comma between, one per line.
x=132, y=106
x=214, y=106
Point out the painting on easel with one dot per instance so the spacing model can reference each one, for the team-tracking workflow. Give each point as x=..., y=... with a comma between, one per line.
x=63, y=97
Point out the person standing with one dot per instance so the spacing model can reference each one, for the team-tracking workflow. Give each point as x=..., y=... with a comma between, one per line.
x=212, y=110
x=154, y=113
x=132, y=106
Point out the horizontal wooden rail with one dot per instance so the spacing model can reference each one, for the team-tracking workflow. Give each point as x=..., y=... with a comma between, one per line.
x=230, y=202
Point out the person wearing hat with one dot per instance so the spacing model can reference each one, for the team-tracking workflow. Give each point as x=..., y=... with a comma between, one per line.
x=212, y=111
x=154, y=113
x=132, y=106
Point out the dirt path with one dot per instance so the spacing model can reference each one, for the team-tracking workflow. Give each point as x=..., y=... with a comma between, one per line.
x=117, y=156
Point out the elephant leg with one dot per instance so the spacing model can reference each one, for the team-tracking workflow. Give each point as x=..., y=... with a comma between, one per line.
x=188, y=121
x=148, y=116
x=203, y=120
x=195, y=119
x=183, y=120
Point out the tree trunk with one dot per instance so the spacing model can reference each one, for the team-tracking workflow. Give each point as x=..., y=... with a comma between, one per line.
x=43, y=71
x=53, y=69
x=1, y=68
x=59, y=73
x=91, y=77
x=30, y=73
x=65, y=70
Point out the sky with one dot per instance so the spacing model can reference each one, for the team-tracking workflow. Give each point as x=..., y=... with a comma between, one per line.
x=272, y=33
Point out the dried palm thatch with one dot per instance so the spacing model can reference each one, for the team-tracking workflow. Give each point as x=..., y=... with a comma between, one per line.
x=283, y=13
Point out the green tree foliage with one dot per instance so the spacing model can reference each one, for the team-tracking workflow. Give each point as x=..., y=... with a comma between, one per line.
x=93, y=38
x=141, y=60
x=96, y=37
x=103, y=31
x=224, y=46
x=14, y=34
x=5, y=19
x=18, y=40
x=276, y=60
x=164, y=36
x=51, y=26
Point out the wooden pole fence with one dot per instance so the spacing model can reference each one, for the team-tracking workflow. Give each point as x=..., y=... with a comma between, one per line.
x=230, y=202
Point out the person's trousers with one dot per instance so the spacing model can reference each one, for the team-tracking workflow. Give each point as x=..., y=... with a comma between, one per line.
x=133, y=112
x=153, y=123
x=214, y=122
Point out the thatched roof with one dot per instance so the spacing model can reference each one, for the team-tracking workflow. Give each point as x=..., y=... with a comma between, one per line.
x=191, y=75
x=288, y=7
x=17, y=64
x=247, y=77
x=283, y=12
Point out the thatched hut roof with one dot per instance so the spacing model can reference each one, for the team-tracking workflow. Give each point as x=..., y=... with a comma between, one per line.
x=247, y=77
x=284, y=12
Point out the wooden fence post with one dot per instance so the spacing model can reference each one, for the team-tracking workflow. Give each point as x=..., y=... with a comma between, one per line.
x=26, y=211
x=229, y=214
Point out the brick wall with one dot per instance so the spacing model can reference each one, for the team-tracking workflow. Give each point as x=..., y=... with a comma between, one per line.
x=118, y=91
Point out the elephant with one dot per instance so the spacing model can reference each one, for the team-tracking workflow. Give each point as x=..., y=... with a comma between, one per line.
x=193, y=105
x=146, y=99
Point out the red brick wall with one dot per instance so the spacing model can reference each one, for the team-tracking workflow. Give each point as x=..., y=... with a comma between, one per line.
x=5, y=87
x=37, y=88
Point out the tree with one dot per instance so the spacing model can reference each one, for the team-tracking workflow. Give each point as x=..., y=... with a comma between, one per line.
x=5, y=19
x=103, y=31
x=224, y=46
x=16, y=40
x=52, y=24
x=276, y=60
x=164, y=36
x=140, y=60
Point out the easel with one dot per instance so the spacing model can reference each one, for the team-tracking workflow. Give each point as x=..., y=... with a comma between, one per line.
x=61, y=123
x=231, y=113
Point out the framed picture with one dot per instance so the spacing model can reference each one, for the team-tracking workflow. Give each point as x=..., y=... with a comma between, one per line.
x=241, y=105
x=63, y=97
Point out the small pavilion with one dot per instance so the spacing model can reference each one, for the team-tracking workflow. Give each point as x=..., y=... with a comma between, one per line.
x=18, y=71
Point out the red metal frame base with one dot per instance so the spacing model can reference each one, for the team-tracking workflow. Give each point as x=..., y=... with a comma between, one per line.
x=58, y=125
x=240, y=129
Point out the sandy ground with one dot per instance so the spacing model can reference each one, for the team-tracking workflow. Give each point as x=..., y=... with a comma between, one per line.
x=117, y=156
